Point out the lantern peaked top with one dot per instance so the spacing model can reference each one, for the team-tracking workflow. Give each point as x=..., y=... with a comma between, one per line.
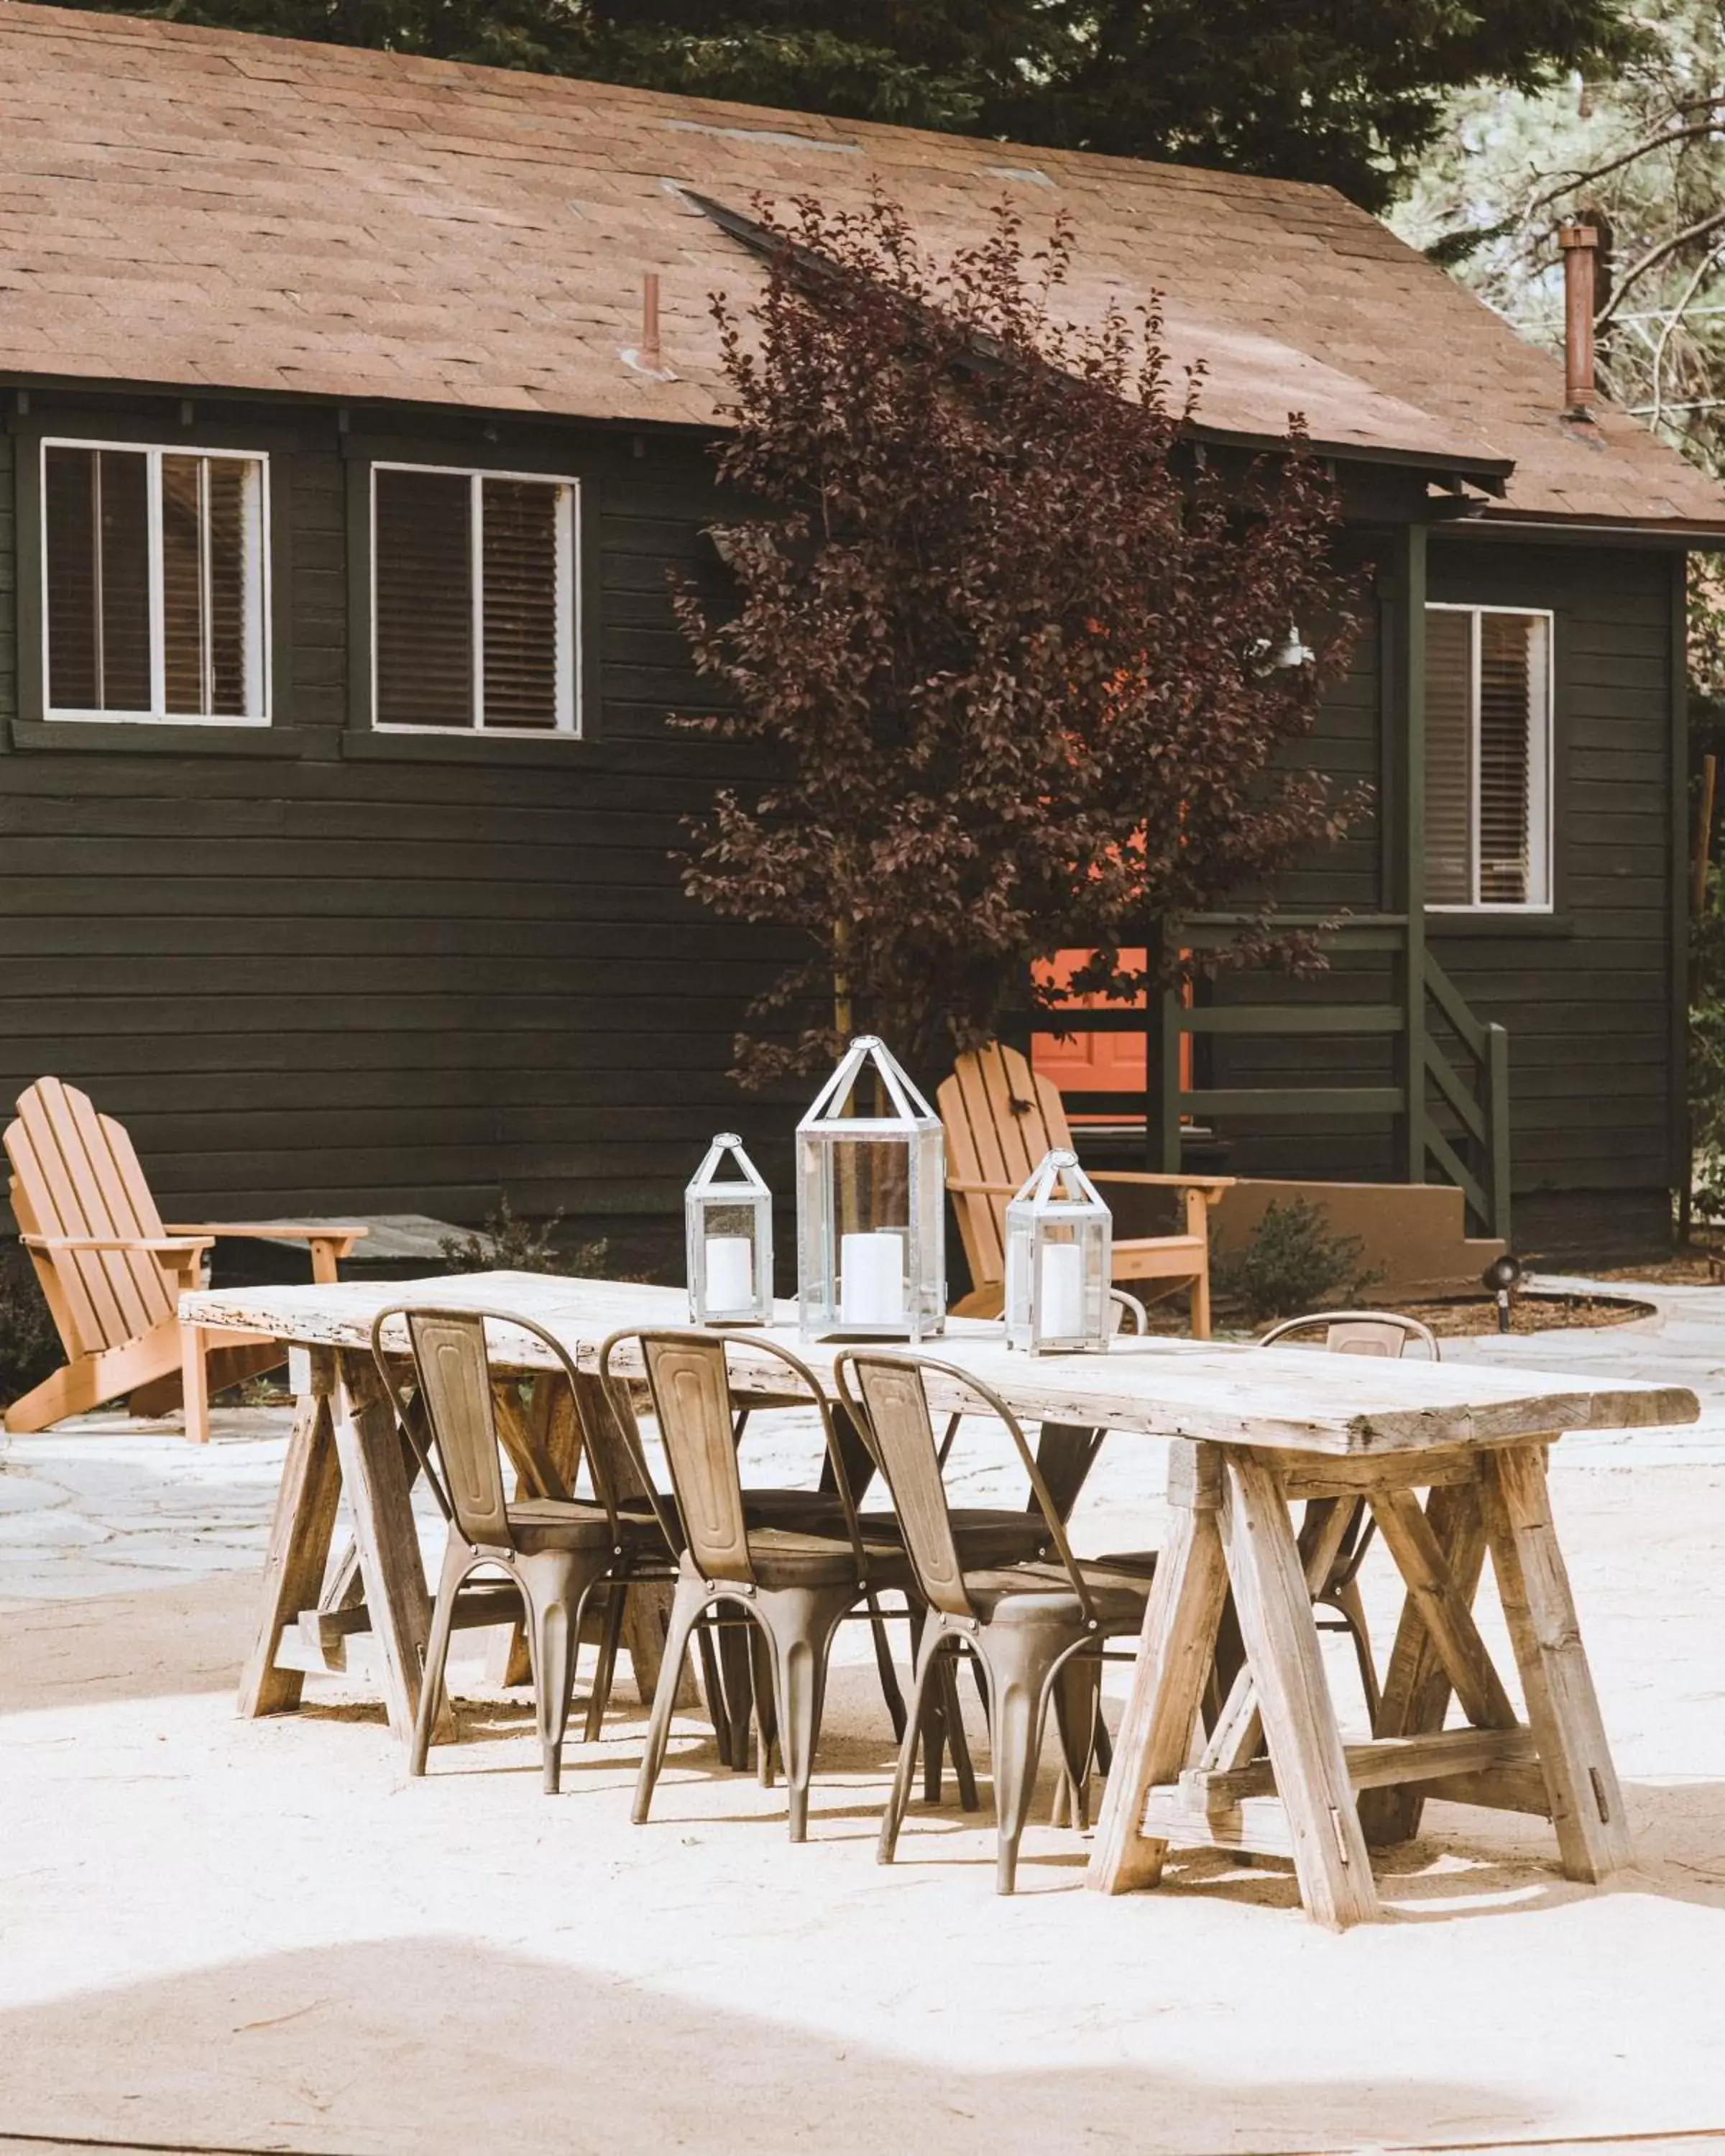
x=909, y=1110
x=706, y=1181
x=1058, y=1180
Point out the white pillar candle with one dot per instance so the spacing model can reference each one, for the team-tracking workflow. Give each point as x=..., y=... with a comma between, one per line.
x=871, y=1279
x=729, y=1273
x=1061, y=1315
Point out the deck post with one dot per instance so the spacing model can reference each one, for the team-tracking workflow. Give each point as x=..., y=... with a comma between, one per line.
x=1405, y=712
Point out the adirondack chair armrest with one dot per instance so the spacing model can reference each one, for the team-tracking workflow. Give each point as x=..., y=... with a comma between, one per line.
x=962, y=1188
x=179, y=1246
x=346, y=1233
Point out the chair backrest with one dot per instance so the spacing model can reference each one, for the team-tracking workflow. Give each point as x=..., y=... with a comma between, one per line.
x=1000, y=1118
x=454, y=1409
x=452, y=1375
x=689, y=1381
x=1384, y=1333
x=887, y=1397
x=74, y=1173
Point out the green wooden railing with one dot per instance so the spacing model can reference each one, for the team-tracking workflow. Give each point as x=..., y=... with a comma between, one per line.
x=1449, y=1096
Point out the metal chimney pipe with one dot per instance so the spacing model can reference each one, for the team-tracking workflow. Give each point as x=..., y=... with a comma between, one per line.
x=1580, y=243
x=650, y=359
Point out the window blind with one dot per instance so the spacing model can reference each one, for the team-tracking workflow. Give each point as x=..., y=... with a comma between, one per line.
x=424, y=568
x=1449, y=759
x=474, y=601
x=177, y=636
x=1509, y=678
x=96, y=537
x=1487, y=784
x=520, y=621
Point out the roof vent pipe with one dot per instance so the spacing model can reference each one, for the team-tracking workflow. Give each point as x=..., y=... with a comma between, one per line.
x=1580, y=243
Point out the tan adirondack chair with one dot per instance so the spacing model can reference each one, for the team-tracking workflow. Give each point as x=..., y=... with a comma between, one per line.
x=1000, y=1118
x=112, y=1274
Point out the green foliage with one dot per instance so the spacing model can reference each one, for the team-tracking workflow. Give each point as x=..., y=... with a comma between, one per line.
x=1637, y=149
x=29, y=1346
x=1707, y=1052
x=1004, y=641
x=1348, y=92
x=1295, y=1262
x=507, y=1243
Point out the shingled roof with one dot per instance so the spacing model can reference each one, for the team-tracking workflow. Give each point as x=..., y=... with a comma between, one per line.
x=198, y=208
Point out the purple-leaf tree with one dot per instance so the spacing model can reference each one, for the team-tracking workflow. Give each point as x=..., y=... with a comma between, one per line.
x=1007, y=639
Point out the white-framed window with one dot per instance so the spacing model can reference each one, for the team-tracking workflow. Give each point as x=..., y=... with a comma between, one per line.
x=476, y=606
x=1488, y=758
x=155, y=584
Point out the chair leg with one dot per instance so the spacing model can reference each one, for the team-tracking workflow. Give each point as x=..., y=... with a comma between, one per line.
x=437, y=1652
x=952, y=1728
x=1201, y=1303
x=1077, y=1701
x=943, y=1727
x=931, y=1650
x=766, y=1697
x=688, y=1606
x=1016, y=1659
x=611, y=1632
x=800, y=1623
x=890, y=1691
x=555, y=1590
x=1104, y=1743
x=737, y=1686
x=1347, y=1600
x=713, y=1691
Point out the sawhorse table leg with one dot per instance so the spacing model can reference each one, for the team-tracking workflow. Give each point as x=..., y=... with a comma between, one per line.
x=358, y=1452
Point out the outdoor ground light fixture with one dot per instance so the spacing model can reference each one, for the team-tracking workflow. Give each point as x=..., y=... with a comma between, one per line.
x=730, y=1224
x=1059, y=1248
x=871, y=1199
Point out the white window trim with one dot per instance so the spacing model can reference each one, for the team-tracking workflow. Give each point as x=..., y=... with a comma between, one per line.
x=569, y=627
x=1540, y=768
x=259, y=640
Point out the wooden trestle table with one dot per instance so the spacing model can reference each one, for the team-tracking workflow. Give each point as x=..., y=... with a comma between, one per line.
x=1256, y=1432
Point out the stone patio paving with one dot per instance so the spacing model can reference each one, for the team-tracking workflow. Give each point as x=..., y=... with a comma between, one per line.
x=251, y=1936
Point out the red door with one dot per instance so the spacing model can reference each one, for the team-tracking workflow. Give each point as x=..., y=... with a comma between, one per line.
x=1097, y=1062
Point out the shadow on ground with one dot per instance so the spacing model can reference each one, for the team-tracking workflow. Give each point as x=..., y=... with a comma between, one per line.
x=435, y=2045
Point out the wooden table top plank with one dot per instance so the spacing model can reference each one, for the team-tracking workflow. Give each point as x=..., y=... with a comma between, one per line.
x=1288, y=1398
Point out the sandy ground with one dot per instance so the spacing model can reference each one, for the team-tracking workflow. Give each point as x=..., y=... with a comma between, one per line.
x=216, y=1934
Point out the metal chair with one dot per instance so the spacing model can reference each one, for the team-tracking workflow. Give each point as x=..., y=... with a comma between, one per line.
x=1384, y=1333
x=791, y=1587
x=556, y=1552
x=1035, y=1630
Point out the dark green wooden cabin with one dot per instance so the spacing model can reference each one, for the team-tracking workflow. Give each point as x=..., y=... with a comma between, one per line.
x=343, y=483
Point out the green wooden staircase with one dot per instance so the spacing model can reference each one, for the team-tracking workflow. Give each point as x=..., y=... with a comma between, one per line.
x=1447, y=1091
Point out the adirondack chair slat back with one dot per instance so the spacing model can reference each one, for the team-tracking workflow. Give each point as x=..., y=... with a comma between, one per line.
x=1000, y=1118
x=74, y=1173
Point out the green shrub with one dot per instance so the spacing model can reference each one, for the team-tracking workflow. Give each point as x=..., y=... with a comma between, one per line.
x=29, y=1346
x=507, y=1243
x=1295, y=1262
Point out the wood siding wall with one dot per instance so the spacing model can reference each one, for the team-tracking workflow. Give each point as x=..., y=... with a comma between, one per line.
x=386, y=974
x=1587, y=995
x=321, y=970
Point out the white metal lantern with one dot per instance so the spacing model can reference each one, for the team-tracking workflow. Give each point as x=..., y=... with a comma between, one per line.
x=871, y=1198
x=730, y=1224
x=1059, y=1248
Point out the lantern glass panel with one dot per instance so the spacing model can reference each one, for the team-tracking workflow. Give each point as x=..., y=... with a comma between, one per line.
x=730, y=1239
x=870, y=1205
x=1059, y=1262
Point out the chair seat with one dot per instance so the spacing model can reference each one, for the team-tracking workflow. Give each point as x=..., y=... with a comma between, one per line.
x=1031, y=1593
x=779, y=1556
x=986, y=1535
x=542, y=1524
x=1136, y=1564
